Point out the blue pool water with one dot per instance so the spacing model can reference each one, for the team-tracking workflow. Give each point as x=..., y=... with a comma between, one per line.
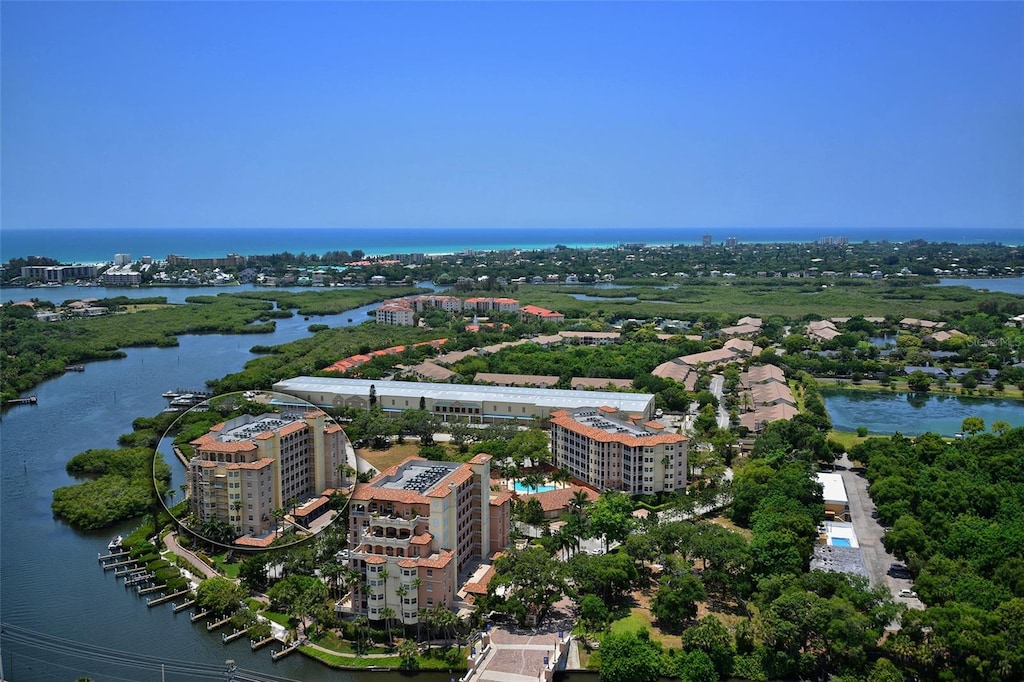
x=841, y=542
x=520, y=488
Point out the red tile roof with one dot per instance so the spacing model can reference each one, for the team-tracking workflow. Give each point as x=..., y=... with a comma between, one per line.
x=557, y=500
x=562, y=418
x=250, y=541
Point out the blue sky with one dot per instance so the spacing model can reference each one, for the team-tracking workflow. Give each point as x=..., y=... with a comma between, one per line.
x=460, y=114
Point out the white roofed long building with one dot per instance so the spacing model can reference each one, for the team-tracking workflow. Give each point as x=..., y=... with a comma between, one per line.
x=451, y=402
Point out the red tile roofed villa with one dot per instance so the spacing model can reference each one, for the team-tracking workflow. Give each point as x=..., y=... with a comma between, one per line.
x=356, y=360
x=415, y=526
x=534, y=312
x=555, y=502
x=606, y=450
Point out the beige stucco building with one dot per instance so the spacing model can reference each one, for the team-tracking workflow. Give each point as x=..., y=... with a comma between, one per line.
x=245, y=468
x=414, y=527
x=609, y=449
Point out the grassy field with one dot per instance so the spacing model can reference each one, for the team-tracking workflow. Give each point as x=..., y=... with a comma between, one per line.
x=382, y=459
x=145, y=306
x=765, y=298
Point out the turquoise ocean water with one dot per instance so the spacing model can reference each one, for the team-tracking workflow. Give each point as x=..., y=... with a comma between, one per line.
x=96, y=245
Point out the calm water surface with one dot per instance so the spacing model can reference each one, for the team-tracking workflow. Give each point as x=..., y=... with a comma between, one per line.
x=51, y=580
x=886, y=413
x=1009, y=285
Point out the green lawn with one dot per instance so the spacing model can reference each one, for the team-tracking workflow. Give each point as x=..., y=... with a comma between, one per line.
x=229, y=570
x=280, y=618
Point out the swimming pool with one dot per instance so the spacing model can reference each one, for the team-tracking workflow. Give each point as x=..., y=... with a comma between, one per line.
x=841, y=542
x=520, y=488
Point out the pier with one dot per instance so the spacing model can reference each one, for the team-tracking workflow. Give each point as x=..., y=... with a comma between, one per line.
x=148, y=590
x=225, y=638
x=31, y=400
x=199, y=616
x=182, y=606
x=118, y=564
x=139, y=579
x=210, y=627
x=166, y=598
x=112, y=555
x=262, y=643
x=134, y=568
x=278, y=655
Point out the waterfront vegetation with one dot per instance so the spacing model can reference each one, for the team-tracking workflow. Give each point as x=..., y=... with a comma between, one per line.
x=35, y=351
x=123, y=487
x=688, y=598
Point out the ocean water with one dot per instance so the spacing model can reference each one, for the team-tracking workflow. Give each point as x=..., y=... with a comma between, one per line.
x=100, y=245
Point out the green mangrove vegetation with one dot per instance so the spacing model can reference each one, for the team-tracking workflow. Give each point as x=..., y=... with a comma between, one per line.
x=35, y=351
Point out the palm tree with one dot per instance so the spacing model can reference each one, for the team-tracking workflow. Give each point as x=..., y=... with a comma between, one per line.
x=427, y=618
x=278, y=515
x=388, y=614
x=360, y=623
x=560, y=476
x=237, y=506
x=402, y=591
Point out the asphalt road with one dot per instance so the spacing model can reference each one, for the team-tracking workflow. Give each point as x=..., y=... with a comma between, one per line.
x=869, y=534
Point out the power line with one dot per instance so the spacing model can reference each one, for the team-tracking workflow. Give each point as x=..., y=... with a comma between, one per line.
x=53, y=644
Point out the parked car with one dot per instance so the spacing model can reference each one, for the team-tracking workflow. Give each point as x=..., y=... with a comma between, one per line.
x=908, y=593
x=899, y=571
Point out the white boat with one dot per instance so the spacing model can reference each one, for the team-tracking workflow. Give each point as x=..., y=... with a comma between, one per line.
x=170, y=394
x=115, y=543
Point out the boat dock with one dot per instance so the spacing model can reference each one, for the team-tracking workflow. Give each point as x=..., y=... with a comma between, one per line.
x=166, y=598
x=262, y=643
x=210, y=627
x=31, y=400
x=149, y=590
x=278, y=655
x=118, y=564
x=182, y=606
x=199, y=616
x=226, y=638
x=113, y=555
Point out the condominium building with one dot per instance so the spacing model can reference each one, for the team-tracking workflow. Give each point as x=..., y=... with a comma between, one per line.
x=58, y=273
x=414, y=527
x=614, y=451
x=245, y=468
x=121, y=275
x=396, y=312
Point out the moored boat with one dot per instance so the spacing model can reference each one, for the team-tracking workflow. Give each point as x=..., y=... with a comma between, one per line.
x=115, y=543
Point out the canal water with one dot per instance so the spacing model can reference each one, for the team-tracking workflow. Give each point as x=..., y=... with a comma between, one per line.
x=52, y=583
x=885, y=413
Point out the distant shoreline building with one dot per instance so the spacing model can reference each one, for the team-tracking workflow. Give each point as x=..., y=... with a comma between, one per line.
x=231, y=260
x=58, y=274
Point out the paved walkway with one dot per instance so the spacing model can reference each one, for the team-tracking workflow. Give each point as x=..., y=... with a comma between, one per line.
x=517, y=654
x=171, y=540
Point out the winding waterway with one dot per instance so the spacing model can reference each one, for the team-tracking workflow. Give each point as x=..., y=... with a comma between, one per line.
x=52, y=582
